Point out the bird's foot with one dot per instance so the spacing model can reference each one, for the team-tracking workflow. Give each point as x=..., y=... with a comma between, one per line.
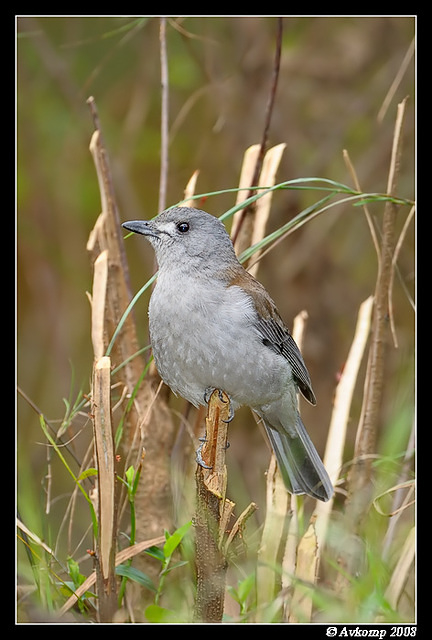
x=198, y=455
x=207, y=395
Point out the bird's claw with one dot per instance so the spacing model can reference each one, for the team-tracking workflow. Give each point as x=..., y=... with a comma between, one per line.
x=207, y=395
x=230, y=415
x=198, y=455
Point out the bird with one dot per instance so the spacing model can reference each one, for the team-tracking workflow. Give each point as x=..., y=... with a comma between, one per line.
x=212, y=325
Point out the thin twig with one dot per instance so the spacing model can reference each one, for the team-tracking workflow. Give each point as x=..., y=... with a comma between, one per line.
x=396, y=82
x=267, y=121
x=401, y=571
x=239, y=524
x=400, y=496
x=359, y=478
x=398, y=246
x=164, y=116
x=40, y=413
x=365, y=208
x=271, y=100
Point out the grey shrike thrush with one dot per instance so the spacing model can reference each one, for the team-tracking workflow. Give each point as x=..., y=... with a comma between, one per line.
x=213, y=326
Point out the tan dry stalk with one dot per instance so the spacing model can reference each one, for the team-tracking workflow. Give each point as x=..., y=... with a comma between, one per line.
x=306, y=576
x=359, y=482
x=122, y=556
x=154, y=431
x=267, y=576
x=333, y=457
x=106, y=481
x=190, y=190
x=401, y=570
x=279, y=504
x=360, y=475
x=251, y=229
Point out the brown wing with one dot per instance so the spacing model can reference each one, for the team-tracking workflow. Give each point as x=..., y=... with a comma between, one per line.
x=274, y=332
x=277, y=337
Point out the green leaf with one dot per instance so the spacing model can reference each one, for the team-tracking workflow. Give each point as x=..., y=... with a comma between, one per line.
x=155, y=613
x=87, y=473
x=130, y=475
x=245, y=586
x=136, y=575
x=74, y=572
x=176, y=565
x=174, y=540
x=155, y=552
x=67, y=589
x=56, y=448
x=126, y=313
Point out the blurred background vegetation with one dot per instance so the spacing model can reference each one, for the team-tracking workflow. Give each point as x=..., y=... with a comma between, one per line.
x=333, y=94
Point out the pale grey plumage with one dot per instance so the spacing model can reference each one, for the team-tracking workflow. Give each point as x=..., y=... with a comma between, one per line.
x=212, y=325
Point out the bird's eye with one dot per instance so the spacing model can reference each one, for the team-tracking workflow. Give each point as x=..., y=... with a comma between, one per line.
x=183, y=227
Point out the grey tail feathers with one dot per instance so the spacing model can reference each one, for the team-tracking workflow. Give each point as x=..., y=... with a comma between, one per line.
x=299, y=462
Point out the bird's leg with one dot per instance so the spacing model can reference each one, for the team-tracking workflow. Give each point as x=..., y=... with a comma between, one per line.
x=207, y=395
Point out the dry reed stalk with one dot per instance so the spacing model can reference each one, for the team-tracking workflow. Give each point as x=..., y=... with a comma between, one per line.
x=267, y=178
x=190, y=190
x=396, y=82
x=98, y=302
x=35, y=538
x=251, y=229
x=277, y=503
x=122, y=556
x=103, y=449
x=278, y=506
x=359, y=479
x=394, y=270
x=302, y=560
x=306, y=575
x=289, y=560
x=333, y=457
x=243, y=220
x=302, y=557
x=400, y=496
x=106, y=483
x=294, y=571
x=401, y=570
x=152, y=430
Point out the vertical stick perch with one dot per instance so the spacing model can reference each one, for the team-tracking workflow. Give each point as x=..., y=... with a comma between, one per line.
x=104, y=449
x=212, y=513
